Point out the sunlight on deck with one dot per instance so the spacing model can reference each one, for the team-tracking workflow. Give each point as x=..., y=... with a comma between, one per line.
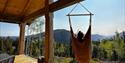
x=24, y=59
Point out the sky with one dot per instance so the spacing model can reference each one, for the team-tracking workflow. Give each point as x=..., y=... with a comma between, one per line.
x=109, y=17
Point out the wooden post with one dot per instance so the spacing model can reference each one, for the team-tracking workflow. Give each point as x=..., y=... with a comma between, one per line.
x=21, y=45
x=49, y=40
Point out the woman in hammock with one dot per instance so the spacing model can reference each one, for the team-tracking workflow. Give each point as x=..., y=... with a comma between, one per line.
x=81, y=45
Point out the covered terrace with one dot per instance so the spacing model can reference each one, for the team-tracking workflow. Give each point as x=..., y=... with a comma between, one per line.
x=23, y=12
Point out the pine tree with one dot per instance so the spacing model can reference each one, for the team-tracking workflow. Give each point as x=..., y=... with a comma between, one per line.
x=114, y=56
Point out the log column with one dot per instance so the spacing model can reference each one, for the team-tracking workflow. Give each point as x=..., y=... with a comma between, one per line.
x=21, y=44
x=49, y=38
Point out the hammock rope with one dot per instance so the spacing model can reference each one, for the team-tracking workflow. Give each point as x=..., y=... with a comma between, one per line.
x=82, y=51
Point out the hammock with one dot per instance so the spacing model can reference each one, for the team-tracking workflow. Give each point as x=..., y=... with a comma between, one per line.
x=82, y=51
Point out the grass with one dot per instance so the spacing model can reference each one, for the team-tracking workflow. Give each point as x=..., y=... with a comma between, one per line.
x=68, y=59
x=62, y=59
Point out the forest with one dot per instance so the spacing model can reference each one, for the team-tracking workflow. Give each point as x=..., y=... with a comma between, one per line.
x=112, y=49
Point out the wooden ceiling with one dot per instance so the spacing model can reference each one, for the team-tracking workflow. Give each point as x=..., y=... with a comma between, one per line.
x=17, y=11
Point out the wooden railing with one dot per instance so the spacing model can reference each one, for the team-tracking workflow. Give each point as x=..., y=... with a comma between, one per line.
x=9, y=59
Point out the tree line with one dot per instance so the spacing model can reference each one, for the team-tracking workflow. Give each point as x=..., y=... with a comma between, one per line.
x=8, y=45
x=112, y=49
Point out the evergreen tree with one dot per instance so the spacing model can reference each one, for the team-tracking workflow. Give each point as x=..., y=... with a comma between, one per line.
x=105, y=54
x=95, y=52
x=114, y=56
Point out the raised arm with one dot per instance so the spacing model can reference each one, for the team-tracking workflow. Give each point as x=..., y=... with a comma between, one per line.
x=71, y=30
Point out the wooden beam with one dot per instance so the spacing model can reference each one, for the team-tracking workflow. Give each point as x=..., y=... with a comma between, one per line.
x=52, y=7
x=25, y=8
x=49, y=40
x=62, y=4
x=21, y=44
x=4, y=8
x=10, y=18
x=9, y=21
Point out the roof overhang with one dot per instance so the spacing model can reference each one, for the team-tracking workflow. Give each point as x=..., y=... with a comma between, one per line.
x=11, y=11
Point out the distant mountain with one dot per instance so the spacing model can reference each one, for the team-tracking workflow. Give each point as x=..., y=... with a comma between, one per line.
x=63, y=36
x=11, y=37
x=97, y=37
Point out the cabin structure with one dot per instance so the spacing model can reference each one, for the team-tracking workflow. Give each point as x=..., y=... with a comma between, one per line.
x=23, y=12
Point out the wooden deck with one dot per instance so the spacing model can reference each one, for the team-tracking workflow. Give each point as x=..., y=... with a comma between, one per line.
x=24, y=59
